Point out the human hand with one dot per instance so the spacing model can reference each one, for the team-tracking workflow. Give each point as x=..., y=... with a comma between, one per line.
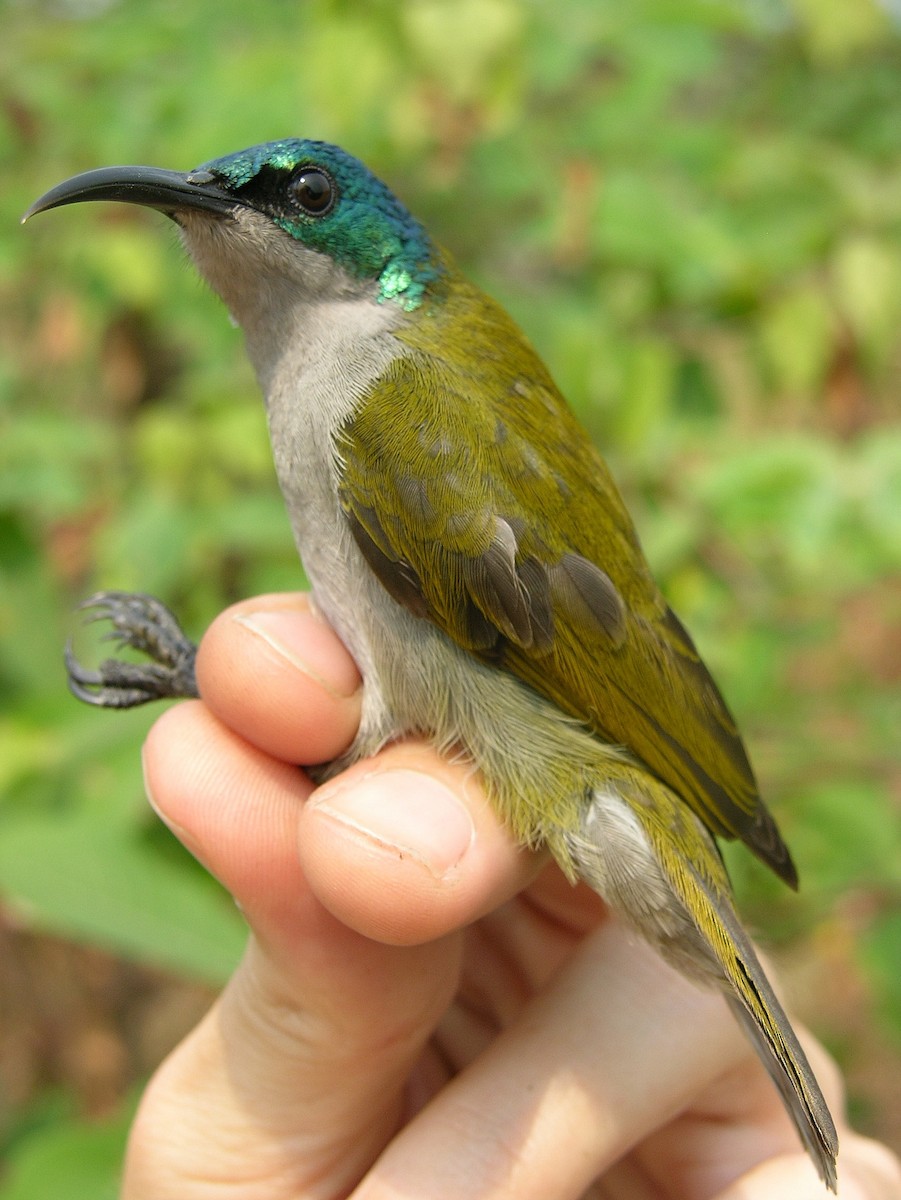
x=425, y=1010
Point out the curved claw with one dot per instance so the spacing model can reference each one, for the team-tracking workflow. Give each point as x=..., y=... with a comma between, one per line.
x=145, y=624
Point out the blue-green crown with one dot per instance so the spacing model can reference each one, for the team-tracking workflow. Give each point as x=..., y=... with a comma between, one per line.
x=368, y=231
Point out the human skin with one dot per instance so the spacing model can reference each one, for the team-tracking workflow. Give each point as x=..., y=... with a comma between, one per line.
x=425, y=1009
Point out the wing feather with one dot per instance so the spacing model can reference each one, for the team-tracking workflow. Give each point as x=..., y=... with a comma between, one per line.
x=480, y=503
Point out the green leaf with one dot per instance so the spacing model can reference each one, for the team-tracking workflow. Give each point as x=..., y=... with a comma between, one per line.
x=868, y=289
x=881, y=952
x=836, y=29
x=781, y=493
x=797, y=337
x=846, y=834
x=75, y=1160
x=878, y=494
x=463, y=42
x=91, y=879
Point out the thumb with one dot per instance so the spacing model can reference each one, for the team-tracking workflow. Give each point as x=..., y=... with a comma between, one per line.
x=298, y=1074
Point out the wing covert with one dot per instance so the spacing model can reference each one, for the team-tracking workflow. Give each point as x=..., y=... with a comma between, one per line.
x=481, y=505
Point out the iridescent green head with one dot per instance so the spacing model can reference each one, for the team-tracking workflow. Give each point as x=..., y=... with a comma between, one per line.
x=318, y=194
x=327, y=199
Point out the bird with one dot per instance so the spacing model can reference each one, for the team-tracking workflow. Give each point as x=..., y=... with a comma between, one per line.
x=466, y=540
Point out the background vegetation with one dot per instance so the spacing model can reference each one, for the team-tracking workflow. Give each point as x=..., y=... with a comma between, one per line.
x=694, y=209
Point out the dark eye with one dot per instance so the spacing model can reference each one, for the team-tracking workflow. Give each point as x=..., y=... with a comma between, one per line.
x=313, y=191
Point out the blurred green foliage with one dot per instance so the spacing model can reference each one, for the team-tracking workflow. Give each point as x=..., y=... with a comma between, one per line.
x=694, y=209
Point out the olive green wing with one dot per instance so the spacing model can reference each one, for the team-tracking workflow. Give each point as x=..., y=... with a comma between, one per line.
x=497, y=521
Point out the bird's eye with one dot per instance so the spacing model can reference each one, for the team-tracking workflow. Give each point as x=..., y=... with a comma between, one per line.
x=313, y=191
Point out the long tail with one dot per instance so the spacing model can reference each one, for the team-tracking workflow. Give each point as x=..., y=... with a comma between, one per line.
x=807, y=1108
x=753, y=1000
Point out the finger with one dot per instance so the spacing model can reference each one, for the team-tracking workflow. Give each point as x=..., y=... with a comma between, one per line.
x=314, y=1002
x=299, y=1072
x=618, y=1046
x=272, y=670
x=867, y=1170
x=404, y=847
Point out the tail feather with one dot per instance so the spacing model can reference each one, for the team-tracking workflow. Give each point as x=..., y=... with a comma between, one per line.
x=653, y=859
x=760, y=1014
x=811, y=1118
x=722, y=951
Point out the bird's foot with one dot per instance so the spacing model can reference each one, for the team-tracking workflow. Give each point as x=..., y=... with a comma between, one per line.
x=146, y=625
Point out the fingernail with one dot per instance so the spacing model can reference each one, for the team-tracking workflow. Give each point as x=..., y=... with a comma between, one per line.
x=301, y=638
x=403, y=811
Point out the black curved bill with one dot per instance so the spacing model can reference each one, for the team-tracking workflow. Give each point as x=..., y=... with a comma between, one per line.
x=169, y=191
